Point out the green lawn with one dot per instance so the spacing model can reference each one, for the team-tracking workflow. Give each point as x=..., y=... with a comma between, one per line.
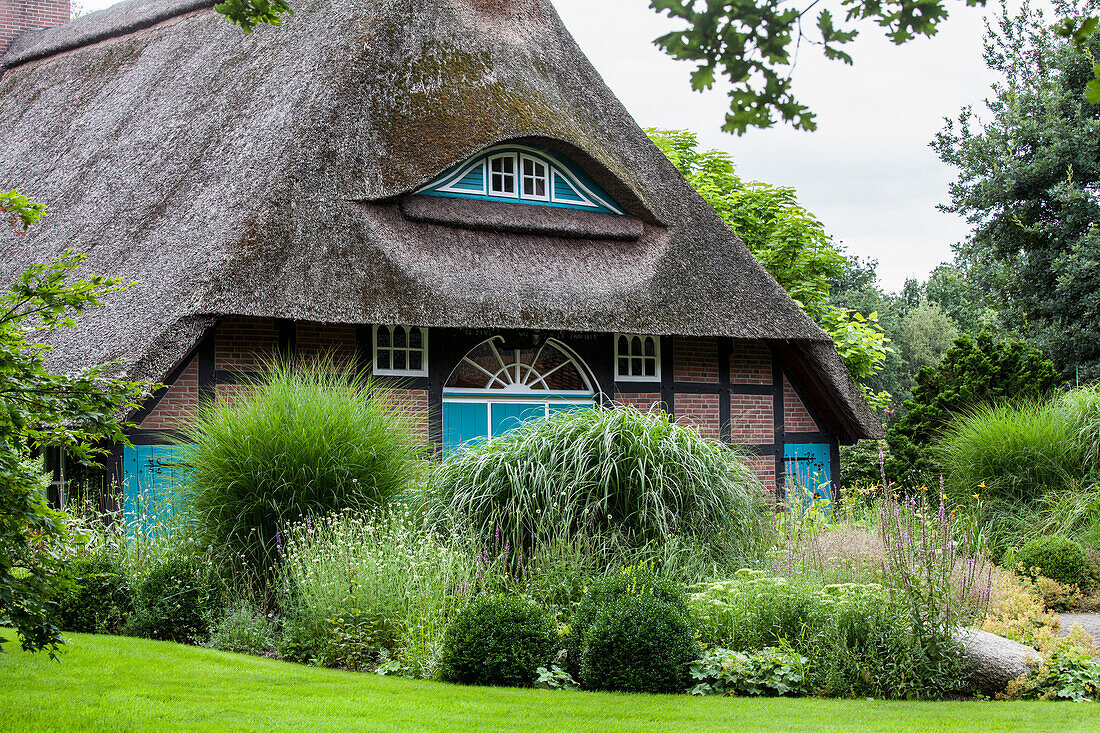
x=110, y=683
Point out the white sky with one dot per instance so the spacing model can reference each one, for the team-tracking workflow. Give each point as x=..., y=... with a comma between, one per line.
x=867, y=172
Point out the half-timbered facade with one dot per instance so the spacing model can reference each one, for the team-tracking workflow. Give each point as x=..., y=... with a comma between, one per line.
x=442, y=192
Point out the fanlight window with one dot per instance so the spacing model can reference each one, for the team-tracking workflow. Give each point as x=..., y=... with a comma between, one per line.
x=637, y=358
x=495, y=367
x=523, y=174
x=401, y=351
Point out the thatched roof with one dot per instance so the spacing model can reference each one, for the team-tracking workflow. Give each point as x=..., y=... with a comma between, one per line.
x=264, y=175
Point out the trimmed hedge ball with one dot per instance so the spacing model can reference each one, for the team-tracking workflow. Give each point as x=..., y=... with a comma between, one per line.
x=1057, y=558
x=498, y=640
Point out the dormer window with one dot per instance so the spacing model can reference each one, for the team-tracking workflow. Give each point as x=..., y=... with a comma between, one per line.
x=515, y=173
x=535, y=180
x=502, y=175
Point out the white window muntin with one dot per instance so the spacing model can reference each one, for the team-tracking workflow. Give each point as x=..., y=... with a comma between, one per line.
x=534, y=173
x=503, y=173
x=391, y=350
x=640, y=367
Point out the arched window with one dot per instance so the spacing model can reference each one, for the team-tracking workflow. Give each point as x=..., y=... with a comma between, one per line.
x=637, y=358
x=401, y=351
x=497, y=387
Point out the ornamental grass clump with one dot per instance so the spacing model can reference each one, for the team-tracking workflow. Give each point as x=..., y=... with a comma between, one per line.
x=299, y=441
x=617, y=475
x=1017, y=453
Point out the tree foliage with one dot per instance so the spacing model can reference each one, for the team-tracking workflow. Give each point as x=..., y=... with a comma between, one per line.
x=788, y=240
x=918, y=326
x=1028, y=182
x=753, y=44
x=975, y=371
x=250, y=13
x=38, y=409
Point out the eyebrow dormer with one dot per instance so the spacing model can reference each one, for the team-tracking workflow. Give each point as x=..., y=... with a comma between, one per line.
x=521, y=174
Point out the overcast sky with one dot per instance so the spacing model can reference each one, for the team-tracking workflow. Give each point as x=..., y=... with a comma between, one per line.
x=867, y=171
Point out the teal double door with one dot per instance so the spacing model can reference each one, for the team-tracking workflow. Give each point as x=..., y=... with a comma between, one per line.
x=470, y=420
x=808, y=472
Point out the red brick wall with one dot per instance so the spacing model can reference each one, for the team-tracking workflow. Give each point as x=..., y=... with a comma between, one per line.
x=796, y=418
x=415, y=403
x=316, y=339
x=17, y=16
x=178, y=404
x=752, y=419
x=750, y=363
x=242, y=343
x=695, y=359
x=699, y=411
x=764, y=468
x=644, y=401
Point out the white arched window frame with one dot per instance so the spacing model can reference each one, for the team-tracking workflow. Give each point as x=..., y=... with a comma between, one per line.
x=503, y=175
x=637, y=358
x=534, y=179
x=400, y=351
x=516, y=377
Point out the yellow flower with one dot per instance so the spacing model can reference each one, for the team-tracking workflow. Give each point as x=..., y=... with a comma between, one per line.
x=976, y=496
x=981, y=485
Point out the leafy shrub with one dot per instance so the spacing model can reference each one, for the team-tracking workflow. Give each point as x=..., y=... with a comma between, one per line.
x=769, y=671
x=243, y=630
x=299, y=442
x=858, y=641
x=101, y=601
x=178, y=600
x=555, y=678
x=975, y=371
x=639, y=643
x=360, y=583
x=498, y=640
x=602, y=473
x=635, y=580
x=1057, y=558
x=862, y=462
x=1067, y=676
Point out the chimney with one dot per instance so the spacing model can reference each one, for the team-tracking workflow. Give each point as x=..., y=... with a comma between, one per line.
x=17, y=16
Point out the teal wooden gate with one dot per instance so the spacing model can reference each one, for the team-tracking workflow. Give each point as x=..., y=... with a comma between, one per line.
x=152, y=475
x=808, y=472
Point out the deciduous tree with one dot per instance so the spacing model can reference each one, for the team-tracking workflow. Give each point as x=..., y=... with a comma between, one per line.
x=38, y=408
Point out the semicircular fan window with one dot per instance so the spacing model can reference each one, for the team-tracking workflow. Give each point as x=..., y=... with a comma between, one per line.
x=514, y=173
x=491, y=366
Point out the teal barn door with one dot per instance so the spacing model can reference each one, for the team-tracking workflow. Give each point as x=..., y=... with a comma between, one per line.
x=808, y=472
x=152, y=475
x=462, y=423
x=509, y=415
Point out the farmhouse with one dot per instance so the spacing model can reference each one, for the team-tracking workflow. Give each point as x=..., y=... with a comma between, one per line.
x=444, y=192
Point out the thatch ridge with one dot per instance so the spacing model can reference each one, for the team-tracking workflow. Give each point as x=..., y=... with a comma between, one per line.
x=262, y=175
x=124, y=17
